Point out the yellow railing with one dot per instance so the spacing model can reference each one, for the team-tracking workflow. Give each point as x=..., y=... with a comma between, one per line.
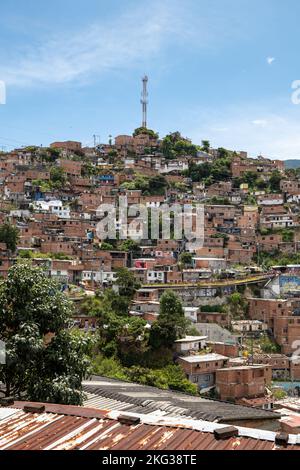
x=208, y=284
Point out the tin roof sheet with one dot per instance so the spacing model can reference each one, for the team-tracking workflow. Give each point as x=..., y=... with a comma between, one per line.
x=76, y=428
x=147, y=399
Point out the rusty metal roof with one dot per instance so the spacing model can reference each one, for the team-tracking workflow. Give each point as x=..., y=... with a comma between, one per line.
x=69, y=427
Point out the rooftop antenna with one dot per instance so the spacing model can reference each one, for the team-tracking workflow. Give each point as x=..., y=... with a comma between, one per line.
x=144, y=100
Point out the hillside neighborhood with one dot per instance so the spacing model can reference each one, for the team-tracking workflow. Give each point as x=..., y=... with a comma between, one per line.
x=219, y=321
x=149, y=232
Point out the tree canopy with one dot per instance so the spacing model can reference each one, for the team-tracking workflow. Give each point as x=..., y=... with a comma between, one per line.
x=144, y=130
x=174, y=145
x=9, y=234
x=127, y=283
x=171, y=324
x=58, y=177
x=44, y=361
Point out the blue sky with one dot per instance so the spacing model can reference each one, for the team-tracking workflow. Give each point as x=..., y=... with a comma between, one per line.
x=218, y=69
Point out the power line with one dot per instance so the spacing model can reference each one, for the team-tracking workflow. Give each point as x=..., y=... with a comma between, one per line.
x=14, y=141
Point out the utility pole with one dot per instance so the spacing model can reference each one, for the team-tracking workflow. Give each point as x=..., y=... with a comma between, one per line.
x=96, y=140
x=144, y=100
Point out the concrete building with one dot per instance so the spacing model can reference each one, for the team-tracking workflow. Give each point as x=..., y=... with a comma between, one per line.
x=201, y=370
x=190, y=344
x=244, y=326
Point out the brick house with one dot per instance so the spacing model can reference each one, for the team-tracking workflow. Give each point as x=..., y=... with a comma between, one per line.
x=282, y=320
x=290, y=187
x=273, y=217
x=233, y=383
x=279, y=363
x=71, y=167
x=269, y=243
x=224, y=349
x=67, y=145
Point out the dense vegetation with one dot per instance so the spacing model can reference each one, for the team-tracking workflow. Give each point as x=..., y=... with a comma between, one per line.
x=174, y=145
x=210, y=172
x=150, y=186
x=44, y=361
x=9, y=234
x=127, y=348
x=145, y=130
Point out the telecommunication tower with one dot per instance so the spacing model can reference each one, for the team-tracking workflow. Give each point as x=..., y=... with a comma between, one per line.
x=144, y=100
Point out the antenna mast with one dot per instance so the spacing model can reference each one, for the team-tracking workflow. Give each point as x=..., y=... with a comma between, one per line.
x=144, y=100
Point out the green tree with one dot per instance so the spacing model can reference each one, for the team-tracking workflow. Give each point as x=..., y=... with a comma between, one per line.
x=106, y=246
x=171, y=324
x=218, y=170
x=177, y=381
x=92, y=306
x=223, y=153
x=130, y=245
x=9, y=234
x=236, y=305
x=275, y=181
x=127, y=283
x=53, y=152
x=124, y=337
x=144, y=130
x=88, y=170
x=115, y=303
x=157, y=185
x=268, y=346
x=44, y=361
x=186, y=259
x=132, y=339
x=170, y=377
x=279, y=394
x=58, y=177
x=205, y=145
x=250, y=177
x=112, y=156
x=174, y=145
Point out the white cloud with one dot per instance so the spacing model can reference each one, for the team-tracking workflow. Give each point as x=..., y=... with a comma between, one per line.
x=270, y=60
x=260, y=122
x=127, y=40
x=130, y=40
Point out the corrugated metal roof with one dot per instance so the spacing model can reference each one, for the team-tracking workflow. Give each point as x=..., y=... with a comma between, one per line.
x=6, y=412
x=103, y=403
x=147, y=399
x=69, y=427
